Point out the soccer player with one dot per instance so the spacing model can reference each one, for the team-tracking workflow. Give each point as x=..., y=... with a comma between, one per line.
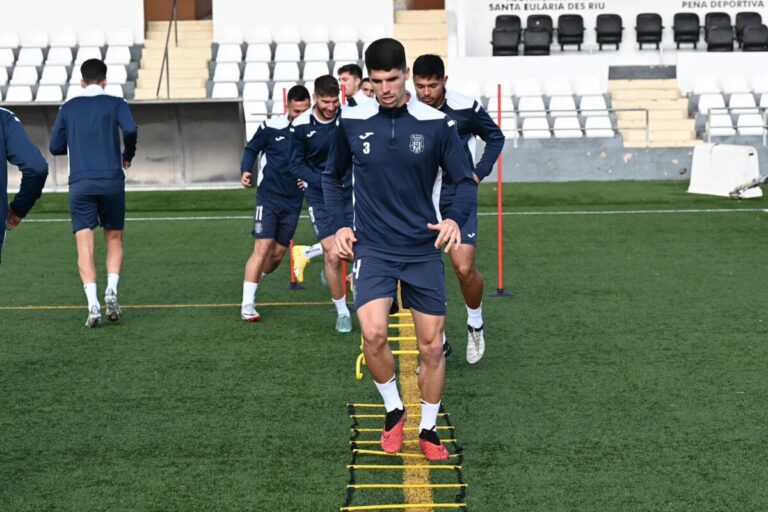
x=278, y=197
x=351, y=78
x=471, y=121
x=88, y=129
x=398, y=149
x=312, y=132
x=366, y=87
x=17, y=148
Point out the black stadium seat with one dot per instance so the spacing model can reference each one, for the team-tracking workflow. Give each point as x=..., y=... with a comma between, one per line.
x=686, y=28
x=720, y=39
x=609, y=29
x=755, y=38
x=508, y=22
x=570, y=30
x=536, y=41
x=540, y=21
x=746, y=19
x=648, y=27
x=716, y=19
x=505, y=42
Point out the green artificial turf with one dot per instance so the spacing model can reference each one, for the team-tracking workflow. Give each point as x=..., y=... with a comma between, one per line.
x=627, y=372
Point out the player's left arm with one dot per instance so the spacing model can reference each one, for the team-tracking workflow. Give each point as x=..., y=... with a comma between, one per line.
x=130, y=132
x=484, y=127
x=23, y=153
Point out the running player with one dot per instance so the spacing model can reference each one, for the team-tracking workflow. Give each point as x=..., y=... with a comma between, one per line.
x=278, y=198
x=472, y=121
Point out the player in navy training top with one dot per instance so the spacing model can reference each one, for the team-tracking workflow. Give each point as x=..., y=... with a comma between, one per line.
x=366, y=87
x=396, y=150
x=88, y=130
x=17, y=148
x=351, y=79
x=312, y=132
x=472, y=121
x=278, y=197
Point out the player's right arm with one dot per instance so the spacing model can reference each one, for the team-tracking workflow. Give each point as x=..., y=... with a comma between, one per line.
x=256, y=145
x=58, y=143
x=299, y=166
x=22, y=152
x=130, y=132
x=336, y=167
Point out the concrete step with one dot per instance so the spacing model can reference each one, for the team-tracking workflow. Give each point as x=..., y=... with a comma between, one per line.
x=413, y=31
x=183, y=43
x=160, y=35
x=176, y=63
x=183, y=25
x=642, y=84
x=150, y=93
x=420, y=47
x=658, y=124
x=664, y=104
x=179, y=52
x=685, y=143
x=176, y=83
x=421, y=16
x=658, y=135
x=645, y=94
x=676, y=113
x=153, y=74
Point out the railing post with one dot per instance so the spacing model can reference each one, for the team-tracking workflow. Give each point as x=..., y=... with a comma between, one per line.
x=647, y=128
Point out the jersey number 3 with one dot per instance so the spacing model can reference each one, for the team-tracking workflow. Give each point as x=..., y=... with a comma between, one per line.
x=366, y=148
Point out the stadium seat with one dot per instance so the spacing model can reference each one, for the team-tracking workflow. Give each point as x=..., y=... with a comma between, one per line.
x=539, y=21
x=63, y=38
x=686, y=28
x=755, y=38
x=76, y=77
x=30, y=57
x=73, y=91
x=708, y=102
x=562, y=106
x=313, y=70
x=750, y=124
x=567, y=128
x=531, y=106
x=54, y=75
x=588, y=86
x=91, y=37
x=744, y=20
x=705, y=84
x=721, y=125
x=558, y=87
x=116, y=74
x=255, y=91
x=372, y=33
x=720, y=39
x=593, y=106
x=570, y=30
x=527, y=87
x=468, y=87
x=287, y=34
x=49, y=93
x=258, y=52
x=344, y=34
x=229, y=35
x=258, y=35
x=760, y=84
x=735, y=83
x=507, y=107
x=286, y=71
x=508, y=22
x=490, y=90
x=742, y=103
x=609, y=29
x=763, y=100
x=278, y=107
x=24, y=75
x=505, y=42
x=256, y=72
x=118, y=55
x=287, y=52
x=59, y=57
x=346, y=52
x=648, y=27
x=537, y=41
x=598, y=127
x=316, y=52
x=315, y=34
x=536, y=128
x=18, y=93
x=7, y=58
x=716, y=19
x=120, y=36
x=228, y=53
x=279, y=87
x=3, y=76
x=114, y=90
x=9, y=38
x=225, y=90
x=34, y=38
x=254, y=110
x=87, y=52
x=226, y=72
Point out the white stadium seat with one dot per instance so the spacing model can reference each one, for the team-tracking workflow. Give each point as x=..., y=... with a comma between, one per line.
x=346, y=52
x=705, y=84
x=49, y=93
x=527, y=87
x=491, y=89
x=3, y=76
x=34, y=38
x=59, y=57
x=316, y=51
x=120, y=36
x=254, y=110
x=76, y=76
x=9, y=38
x=226, y=72
x=285, y=71
x=30, y=57
x=710, y=101
x=313, y=70
x=258, y=35
x=310, y=86
x=287, y=52
x=63, y=38
x=344, y=34
x=24, y=75
x=256, y=72
x=18, y=93
x=116, y=74
x=91, y=37
x=287, y=34
x=735, y=84
x=54, y=75
x=760, y=84
x=750, y=124
x=561, y=106
x=7, y=58
x=742, y=103
x=85, y=53
x=118, y=55
x=315, y=34
x=536, y=128
x=372, y=33
x=225, y=90
x=277, y=107
x=764, y=100
x=229, y=35
x=258, y=52
x=255, y=91
x=593, y=106
x=598, y=127
x=507, y=107
x=567, y=128
x=721, y=125
x=277, y=90
x=73, y=91
x=114, y=90
x=531, y=106
x=469, y=88
x=558, y=87
x=588, y=86
x=229, y=53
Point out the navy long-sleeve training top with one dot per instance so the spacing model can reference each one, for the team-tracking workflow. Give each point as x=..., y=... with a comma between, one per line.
x=16, y=147
x=88, y=130
x=396, y=155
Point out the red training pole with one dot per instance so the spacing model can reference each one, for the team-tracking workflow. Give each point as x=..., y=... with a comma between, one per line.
x=285, y=101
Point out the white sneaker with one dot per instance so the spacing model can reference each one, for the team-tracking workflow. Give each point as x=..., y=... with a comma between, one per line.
x=113, y=308
x=475, y=344
x=94, y=317
x=249, y=314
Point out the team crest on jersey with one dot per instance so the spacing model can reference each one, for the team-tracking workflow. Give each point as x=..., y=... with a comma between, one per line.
x=417, y=143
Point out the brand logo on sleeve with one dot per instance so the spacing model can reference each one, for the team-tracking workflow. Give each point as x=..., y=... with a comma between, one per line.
x=310, y=134
x=278, y=139
x=366, y=135
x=417, y=143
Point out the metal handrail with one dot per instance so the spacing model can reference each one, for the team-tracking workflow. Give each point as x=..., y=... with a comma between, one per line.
x=166, y=65
x=760, y=110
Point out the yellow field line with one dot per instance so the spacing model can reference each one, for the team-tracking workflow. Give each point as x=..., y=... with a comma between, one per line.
x=377, y=442
x=407, y=429
x=405, y=486
x=383, y=416
x=404, y=506
x=398, y=454
x=400, y=326
x=430, y=467
x=379, y=406
x=164, y=306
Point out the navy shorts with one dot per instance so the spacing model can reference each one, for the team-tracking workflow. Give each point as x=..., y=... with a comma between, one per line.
x=275, y=224
x=88, y=211
x=469, y=229
x=422, y=283
x=322, y=222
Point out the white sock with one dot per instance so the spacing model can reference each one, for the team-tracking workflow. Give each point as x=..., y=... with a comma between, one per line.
x=428, y=415
x=475, y=317
x=390, y=394
x=313, y=251
x=91, y=294
x=341, y=305
x=249, y=292
x=112, y=280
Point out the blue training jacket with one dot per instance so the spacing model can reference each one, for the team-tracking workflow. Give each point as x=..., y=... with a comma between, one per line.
x=88, y=129
x=396, y=156
x=277, y=188
x=16, y=147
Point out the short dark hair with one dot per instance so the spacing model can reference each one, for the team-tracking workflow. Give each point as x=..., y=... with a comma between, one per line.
x=93, y=71
x=326, y=85
x=427, y=66
x=352, y=69
x=384, y=55
x=366, y=80
x=298, y=93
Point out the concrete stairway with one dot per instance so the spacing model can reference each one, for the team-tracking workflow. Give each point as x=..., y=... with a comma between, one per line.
x=667, y=109
x=188, y=61
x=422, y=31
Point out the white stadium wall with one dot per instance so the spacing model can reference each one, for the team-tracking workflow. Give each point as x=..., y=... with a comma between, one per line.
x=53, y=15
